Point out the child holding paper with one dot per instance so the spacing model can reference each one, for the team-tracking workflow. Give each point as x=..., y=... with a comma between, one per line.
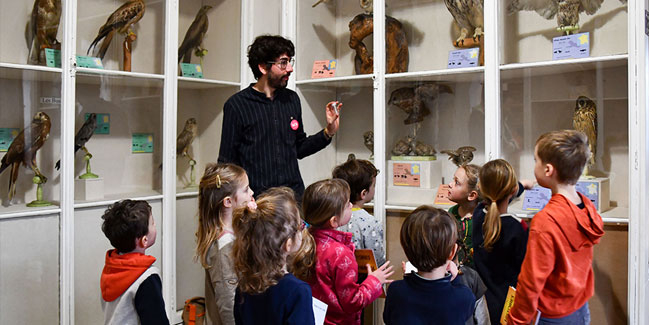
x=330, y=266
x=266, y=238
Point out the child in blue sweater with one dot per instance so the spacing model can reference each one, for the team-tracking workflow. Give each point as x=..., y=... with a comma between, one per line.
x=428, y=237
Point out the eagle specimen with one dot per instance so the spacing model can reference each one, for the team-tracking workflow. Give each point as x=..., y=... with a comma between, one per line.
x=42, y=29
x=21, y=151
x=585, y=120
x=468, y=14
x=120, y=20
x=567, y=11
x=83, y=135
x=194, y=35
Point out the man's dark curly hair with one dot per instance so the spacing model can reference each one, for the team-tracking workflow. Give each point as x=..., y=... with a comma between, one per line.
x=124, y=222
x=267, y=48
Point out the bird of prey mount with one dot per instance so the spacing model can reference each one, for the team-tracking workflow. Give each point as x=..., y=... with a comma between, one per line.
x=567, y=11
x=119, y=21
x=83, y=135
x=468, y=14
x=585, y=120
x=461, y=156
x=194, y=37
x=42, y=29
x=21, y=151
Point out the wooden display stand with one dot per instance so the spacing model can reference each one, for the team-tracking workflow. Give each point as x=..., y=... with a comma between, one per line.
x=413, y=182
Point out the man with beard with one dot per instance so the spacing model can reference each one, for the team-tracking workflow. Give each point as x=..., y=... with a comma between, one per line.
x=262, y=125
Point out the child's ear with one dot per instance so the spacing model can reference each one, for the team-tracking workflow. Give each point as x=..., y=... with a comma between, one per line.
x=473, y=195
x=549, y=170
x=288, y=245
x=227, y=202
x=363, y=194
x=141, y=242
x=333, y=222
x=453, y=252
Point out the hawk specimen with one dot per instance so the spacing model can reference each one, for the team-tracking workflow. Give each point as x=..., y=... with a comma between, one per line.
x=461, y=156
x=83, y=135
x=468, y=14
x=194, y=35
x=121, y=21
x=567, y=11
x=42, y=29
x=585, y=120
x=24, y=152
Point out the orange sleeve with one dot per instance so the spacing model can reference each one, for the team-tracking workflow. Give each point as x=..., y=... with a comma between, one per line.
x=537, y=266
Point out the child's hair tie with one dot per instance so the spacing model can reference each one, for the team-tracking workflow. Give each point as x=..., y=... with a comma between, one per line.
x=218, y=181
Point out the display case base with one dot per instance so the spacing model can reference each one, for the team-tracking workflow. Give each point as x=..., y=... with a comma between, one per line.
x=410, y=196
x=89, y=189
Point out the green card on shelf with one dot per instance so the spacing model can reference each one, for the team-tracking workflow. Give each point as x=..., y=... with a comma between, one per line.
x=7, y=135
x=103, y=123
x=191, y=70
x=142, y=143
x=53, y=58
x=89, y=62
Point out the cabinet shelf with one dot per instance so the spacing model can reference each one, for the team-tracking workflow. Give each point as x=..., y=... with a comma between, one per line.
x=146, y=195
x=364, y=80
x=196, y=83
x=22, y=211
x=521, y=70
x=29, y=72
x=449, y=75
x=119, y=78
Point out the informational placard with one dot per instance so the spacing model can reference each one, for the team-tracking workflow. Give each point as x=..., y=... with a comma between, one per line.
x=366, y=257
x=89, y=62
x=53, y=58
x=7, y=135
x=406, y=174
x=464, y=58
x=142, y=143
x=536, y=198
x=323, y=69
x=191, y=70
x=590, y=189
x=574, y=46
x=103, y=123
x=442, y=195
x=320, y=310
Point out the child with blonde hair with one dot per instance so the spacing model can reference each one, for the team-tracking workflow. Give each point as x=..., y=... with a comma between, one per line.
x=331, y=268
x=557, y=277
x=463, y=190
x=266, y=240
x=499, y=238
x=223, y=188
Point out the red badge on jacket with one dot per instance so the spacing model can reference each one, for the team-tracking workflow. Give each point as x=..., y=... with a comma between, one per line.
x=294, y=124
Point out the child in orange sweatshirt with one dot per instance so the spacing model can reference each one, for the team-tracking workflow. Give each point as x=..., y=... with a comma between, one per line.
x=556, y=276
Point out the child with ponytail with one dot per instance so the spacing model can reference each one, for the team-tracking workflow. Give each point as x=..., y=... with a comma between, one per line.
x=330, y=268
x=223, y=188
x=266, y=239
x=499, y=238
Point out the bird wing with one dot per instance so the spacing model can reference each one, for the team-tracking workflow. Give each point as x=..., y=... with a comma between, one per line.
x=590, y=6
x=15, y=152
x=183, y=141
x=193, y=36
x=545, y=8
x=85, y=133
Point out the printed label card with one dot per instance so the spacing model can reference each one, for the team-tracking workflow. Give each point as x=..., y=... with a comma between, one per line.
x=191, y=70
x=465, y=58
x=142, y=143
x=89, y=62
x=323, y=69
x=406, y=174
x=53, y=58
x=7, y=135
x=574, y=46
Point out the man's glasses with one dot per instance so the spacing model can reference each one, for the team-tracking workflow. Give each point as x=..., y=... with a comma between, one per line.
x=282, y=63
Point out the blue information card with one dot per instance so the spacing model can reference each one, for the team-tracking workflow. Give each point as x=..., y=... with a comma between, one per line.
x=89, y=62
x=590, y=190
x=536, y=198
x=574, y=46
x=463, y=58
x=142, y=143
x=53, y=58
x=7, y=135
x=191, y=70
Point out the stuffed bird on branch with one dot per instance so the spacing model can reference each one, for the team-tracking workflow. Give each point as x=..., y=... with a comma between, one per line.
x=83, y=135
x=42, y=29
x=121, y=21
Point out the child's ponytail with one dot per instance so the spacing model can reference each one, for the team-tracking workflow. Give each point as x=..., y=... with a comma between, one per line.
x=497, y=181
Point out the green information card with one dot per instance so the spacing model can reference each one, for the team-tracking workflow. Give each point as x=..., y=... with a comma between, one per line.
x=89, y=62
x=103, y=123
x=142, y=143
x=7, y=135
x=191, y=70
x=53, y=58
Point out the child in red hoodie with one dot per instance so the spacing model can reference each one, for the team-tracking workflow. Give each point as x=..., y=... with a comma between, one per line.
x=131, y=286
x=556, y=276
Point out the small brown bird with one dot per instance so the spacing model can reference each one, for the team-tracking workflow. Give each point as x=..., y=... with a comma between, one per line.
x=585, y=120
x=402, y=147
x=21, y=151
x=194, y=35
x=369, y=142
x=185, y=138
x=468, y=14
x=43, y=27
x=413, y=100
x=121, y=21
x=461, y=156
x=423, y=149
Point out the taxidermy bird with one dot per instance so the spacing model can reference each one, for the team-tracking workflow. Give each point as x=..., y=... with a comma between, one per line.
x=423, y=149
x=119, y=21
x=468, y=14
x=585, y=120
x=83, y=135
x=185, y=138
x=366, y=5
x=461, y=156
x=42, y=29
x=194, y=35
x=567, y=11
x=21, y=151
x=413, y=100
x=369, y=142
